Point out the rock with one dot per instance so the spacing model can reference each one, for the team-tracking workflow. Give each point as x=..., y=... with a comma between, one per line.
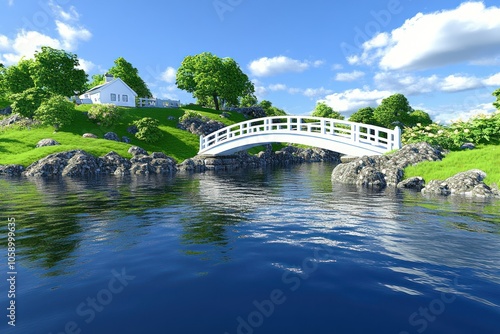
x=159, y=155
x=81, y=164
x=11, y=120
x=192, y=165
x=132, y=129
x=11, y=170
x=391, y=166
x=225, y=115
x=414, y=183
x=6, y=111
x=250, y=112
x=113, y=163
x=126, y=139
x=51, y=165
x=469, y=183
x=171, y=118
x=136, y=150
x=111, y=136
x=348, y=158
x=201, y=125
x=47, y=142
x=89, y=135
x=467, y=146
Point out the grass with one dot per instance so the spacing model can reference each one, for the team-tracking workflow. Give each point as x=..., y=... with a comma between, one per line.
x=17, y=146
x=485, y=158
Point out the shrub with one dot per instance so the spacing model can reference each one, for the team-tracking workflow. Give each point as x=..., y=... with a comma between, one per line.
x=433, y=134
x=56, y=111
x=189, y=114
x=105, y=114
x=148, y=129
x=27, y=102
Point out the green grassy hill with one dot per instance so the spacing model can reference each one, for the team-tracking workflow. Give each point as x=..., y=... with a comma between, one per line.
x=17, y=145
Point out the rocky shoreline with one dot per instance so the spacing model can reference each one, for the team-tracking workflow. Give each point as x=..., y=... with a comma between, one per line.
x=78, y=163
x=388, y=170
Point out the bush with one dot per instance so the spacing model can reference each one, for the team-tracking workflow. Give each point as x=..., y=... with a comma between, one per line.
x=433, y=134
x=148, y=129
x=106, y=115
x=56, y=111
x=189, y=114
x=27, y=102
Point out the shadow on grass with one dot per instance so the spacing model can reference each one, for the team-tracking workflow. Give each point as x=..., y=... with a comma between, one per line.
x=7, y=141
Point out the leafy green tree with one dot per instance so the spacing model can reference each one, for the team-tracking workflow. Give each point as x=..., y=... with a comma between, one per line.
x=3, y=89
x=56, y=111
x=496, y=94
x=364, y=115
x=97, y=79
x=323, y=110
x=393, y=110
x=57, y=72
x=18, y=77
x=130, y=75
x=419, y=116
x=271, y=110
x=28, y=101
x=106, y=115
x=248, y=100
x=207, y=76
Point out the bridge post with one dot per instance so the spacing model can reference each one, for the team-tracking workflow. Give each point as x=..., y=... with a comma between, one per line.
x=397, y=138
x=354, y=133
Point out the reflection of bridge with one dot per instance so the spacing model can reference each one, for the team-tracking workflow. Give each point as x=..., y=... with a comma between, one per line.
x=327, y=133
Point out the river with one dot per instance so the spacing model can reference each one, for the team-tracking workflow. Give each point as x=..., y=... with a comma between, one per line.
x=256, y=251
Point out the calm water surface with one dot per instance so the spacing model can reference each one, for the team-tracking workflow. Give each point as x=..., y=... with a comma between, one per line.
x=264, y=251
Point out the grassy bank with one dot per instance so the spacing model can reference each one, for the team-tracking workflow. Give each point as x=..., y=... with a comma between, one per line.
x=486, y=158
x=17, y=146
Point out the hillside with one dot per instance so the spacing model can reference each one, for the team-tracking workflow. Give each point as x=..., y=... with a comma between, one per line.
x=17, y=145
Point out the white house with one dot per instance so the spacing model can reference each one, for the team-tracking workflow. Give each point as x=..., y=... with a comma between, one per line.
x=114, y=91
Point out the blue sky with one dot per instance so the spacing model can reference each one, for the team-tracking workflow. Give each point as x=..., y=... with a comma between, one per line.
x=443, y=55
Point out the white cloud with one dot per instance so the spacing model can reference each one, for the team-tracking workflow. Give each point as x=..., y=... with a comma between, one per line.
x=456, y=83
x=448, y=114
x=71, y=35
x=277, y=87
x=349, y=76
x=4, y=42
x=86, y=65
x=406, y=83
x=169, y=75
x=337, y=67
x=265, y=66
x=493, y=80
x=469, y=33
x=315, y=92
x=70, y=15
x=354, y=99
x=25, y=44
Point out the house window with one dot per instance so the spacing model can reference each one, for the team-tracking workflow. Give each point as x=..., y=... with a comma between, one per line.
x=125, y=98
x=113, y=97
x=118, y=97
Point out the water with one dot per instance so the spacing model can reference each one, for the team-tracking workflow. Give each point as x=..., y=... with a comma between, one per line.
x=259, y=251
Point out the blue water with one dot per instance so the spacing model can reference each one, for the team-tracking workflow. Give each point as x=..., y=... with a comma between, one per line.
x=259, y=251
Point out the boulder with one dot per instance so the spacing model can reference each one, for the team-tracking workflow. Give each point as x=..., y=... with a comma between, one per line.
x=81, y=164
x=111, y=136
x=469, y=183
x=6, y=111
x=12, y=119
x=47, y=142
x=126, y=139
x=113, y=163
x=51, y=165
x=89, y=135
x=467, y=146
x=136, y=150
x=11, y=170
x=413, y=183
x=132, y=129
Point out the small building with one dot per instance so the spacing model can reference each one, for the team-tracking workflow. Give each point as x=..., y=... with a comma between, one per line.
x=113, y=91
x=158, y=103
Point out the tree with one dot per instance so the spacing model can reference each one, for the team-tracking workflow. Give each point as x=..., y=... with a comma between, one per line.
x=207, y=76
x=57, y=72
x=97, y=79
x=497, y=102
x=28, y=101
x=270, y=110
x=419, y=117
x=56, y=111
x=130, y=75
x=364, y=115
x=393, y=110
x=323, y=110
x=18, y=77
x=248, y=100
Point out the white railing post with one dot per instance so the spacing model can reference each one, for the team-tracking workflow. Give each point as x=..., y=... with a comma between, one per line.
x=202, y=146
x=354, y=133
x=397, y=138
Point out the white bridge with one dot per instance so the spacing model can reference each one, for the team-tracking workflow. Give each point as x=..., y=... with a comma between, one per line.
x=331, y=134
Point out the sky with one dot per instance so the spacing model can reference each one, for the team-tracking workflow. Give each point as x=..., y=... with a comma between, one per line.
x=444, y=56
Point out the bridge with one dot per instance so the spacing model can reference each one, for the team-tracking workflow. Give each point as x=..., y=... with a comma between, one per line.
x=331, y=134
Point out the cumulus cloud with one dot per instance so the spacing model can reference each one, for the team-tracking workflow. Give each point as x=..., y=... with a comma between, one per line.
x=349, y=76
x=265, y=66
x=71, y=35
x=169, y=75
x=354, y=99
x=468, y=33
x=315, y=92
x=66, y=15
x=493, y=80
x=277, y=87
x=86, y=65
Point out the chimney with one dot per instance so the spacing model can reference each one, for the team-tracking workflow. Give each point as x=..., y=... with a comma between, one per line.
x=108, y=77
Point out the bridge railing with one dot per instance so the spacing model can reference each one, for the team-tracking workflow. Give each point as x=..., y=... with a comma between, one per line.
x=350, y=131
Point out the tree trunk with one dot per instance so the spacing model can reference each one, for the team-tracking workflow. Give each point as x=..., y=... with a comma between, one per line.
x=216, y=101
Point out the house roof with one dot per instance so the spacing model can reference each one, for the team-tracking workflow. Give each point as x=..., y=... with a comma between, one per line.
x=101, y=87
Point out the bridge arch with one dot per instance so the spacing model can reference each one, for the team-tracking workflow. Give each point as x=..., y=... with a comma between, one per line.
x=332, y=134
